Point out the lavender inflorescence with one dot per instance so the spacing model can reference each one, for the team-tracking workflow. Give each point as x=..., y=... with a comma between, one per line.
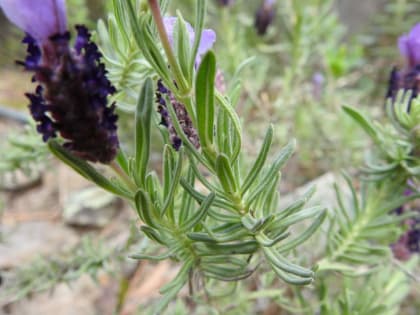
x=71, y=98
x=409, y=242
x=264, y=16
x=407, y=78
x=165, y=98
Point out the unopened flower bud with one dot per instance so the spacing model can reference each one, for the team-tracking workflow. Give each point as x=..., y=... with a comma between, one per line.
x=265, y=16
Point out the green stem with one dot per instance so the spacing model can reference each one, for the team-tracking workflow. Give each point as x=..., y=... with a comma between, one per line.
x=123, y=176
x=157, y=16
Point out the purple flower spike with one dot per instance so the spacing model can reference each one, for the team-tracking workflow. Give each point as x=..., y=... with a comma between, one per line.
x=409, y=45
x=165, y=98
x=38, y=18
x=208, y=37
x=71, y=98
x=407, y=78
x=265, y=16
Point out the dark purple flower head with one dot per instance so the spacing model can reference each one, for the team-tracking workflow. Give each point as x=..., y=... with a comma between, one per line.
x=265, y=16
x=407, y=78
x=71, y=97
x=409, y=45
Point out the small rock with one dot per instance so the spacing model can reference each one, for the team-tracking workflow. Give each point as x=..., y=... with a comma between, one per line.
x=28, y=240
x=91, y=207
x=18, y=180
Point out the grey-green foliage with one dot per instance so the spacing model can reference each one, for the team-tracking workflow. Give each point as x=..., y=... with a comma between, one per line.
x=42, y=274
x=380, y=293
x=23, y=151
x=127, y=67
x=214, y=232
x=89, y=257
x=396, y=18
x=362, y=227
x=397, y=143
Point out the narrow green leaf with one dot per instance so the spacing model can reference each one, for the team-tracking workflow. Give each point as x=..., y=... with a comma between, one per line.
x=268, y=181
x=297, y=205
x=152, y=234
x=122, y=161
x=200, y=215
x=145, y=208
x=259, y=162
x=204, y=91
x=268, y=242
x=220, y=237
x=225, y=174
x=244, y=275
x=290, y=278
x=181, y=277
x=86, y=170
x=226, y=272
x=187, y=200
x=362, y=121
x=200, y=198
x=143, y=120
x=272, y=173
x=299, y=216
x=253, y=224
x=285, y=265
x=172, y=288
x=209, y=249
x=168, y=162
x=305, y=235
x=223, y=216
x=142, y=256
x=201, y=237
x=242, y=263
x=176, y=176
x=182, y=46
x=234, y=118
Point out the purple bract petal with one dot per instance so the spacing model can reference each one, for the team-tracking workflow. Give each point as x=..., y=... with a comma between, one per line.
x=409, y=45
x=208, y=36
x=39, y=18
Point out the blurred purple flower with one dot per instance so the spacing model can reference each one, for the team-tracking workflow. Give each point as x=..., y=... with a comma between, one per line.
x=71, y=97
x=208, y=37
x=38, y=18
x=265, y=16
x=409, y=243
x=409, y=45
x=407, y=78
x=318, y=81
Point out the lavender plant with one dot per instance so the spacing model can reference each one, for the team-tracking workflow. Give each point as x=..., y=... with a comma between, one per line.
x=214, y=233
x=206, y=210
